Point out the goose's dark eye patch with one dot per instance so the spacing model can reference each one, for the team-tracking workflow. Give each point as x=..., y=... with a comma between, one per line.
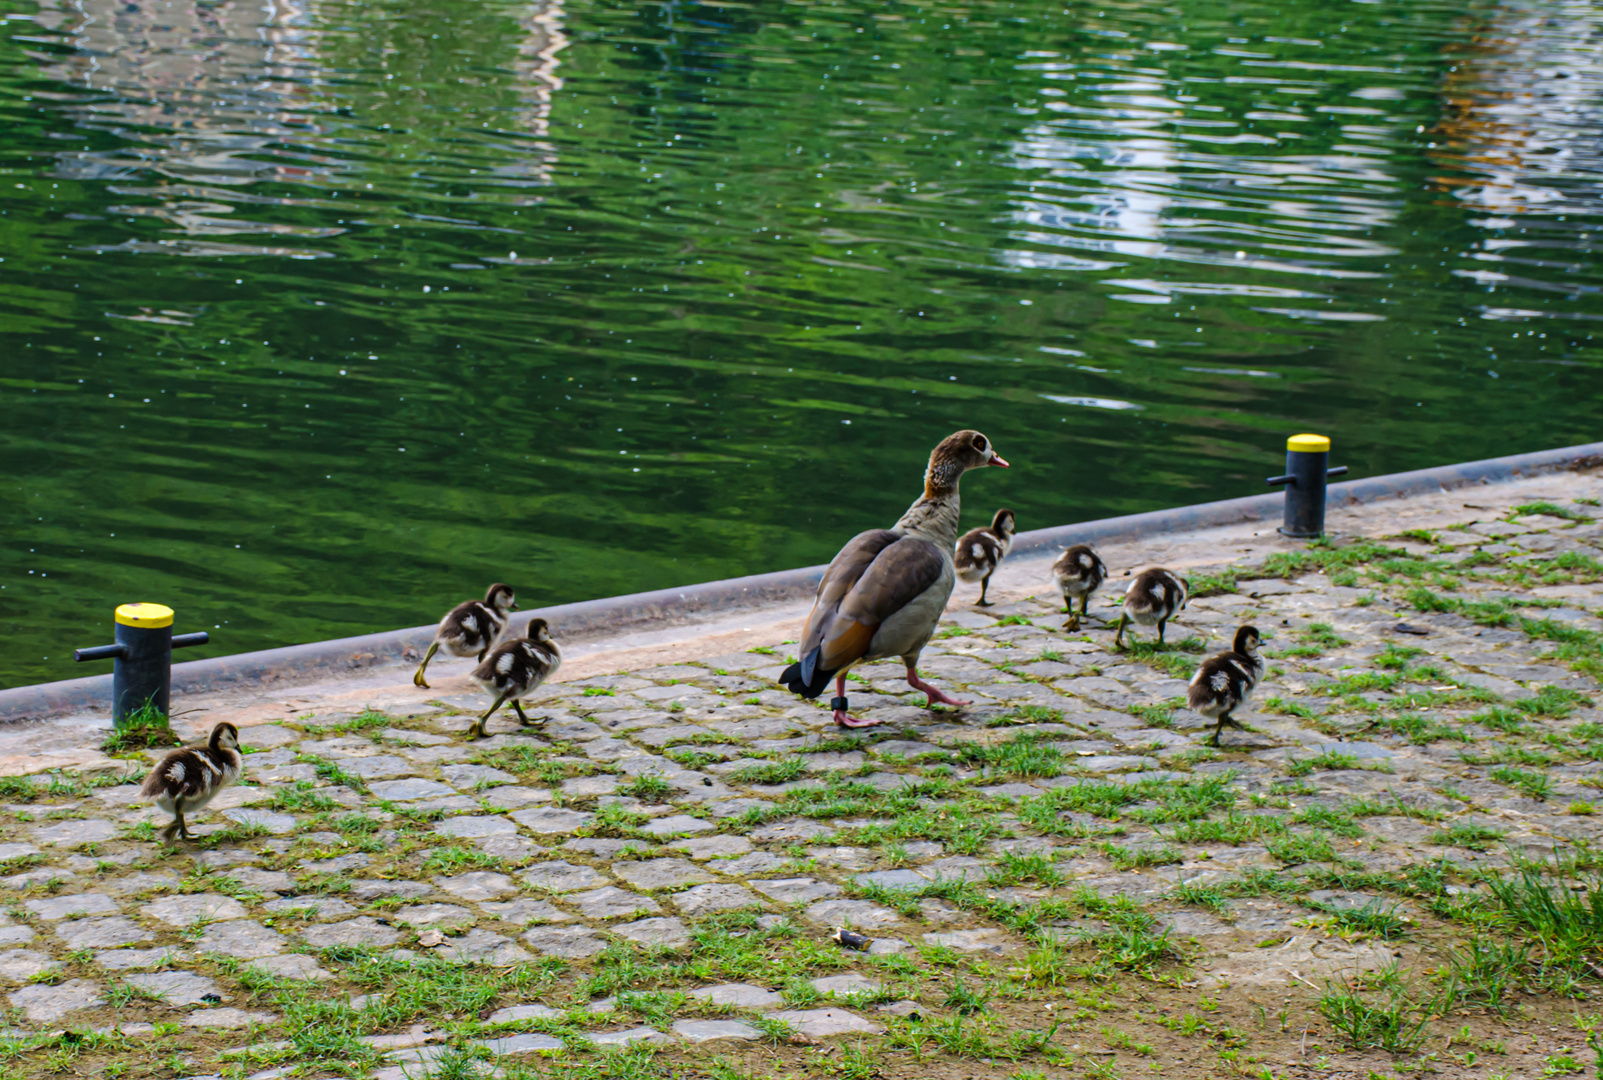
x=979, y=442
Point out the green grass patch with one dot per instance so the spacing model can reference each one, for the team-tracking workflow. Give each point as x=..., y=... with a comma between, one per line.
x=1203, y=896
x=1550, y=509
x=1361, y=682
x=1556, y=909
x=143, y=729
x=54, y=785
x=1328, y=759
x=1387, y=1019
x=333, y=772
x=1329, y=819
x=1533, y=785
x=1493, y=613
x=366, y=720
x=1165, y=656
x=1025, y=756
x=1234, y=828
x=1467, y=835
x=1212, y=583
x=1582, y=649
x=1127, y=858
x=1302, y=847
x=1396, y=657
x=1289, y=708
x=771, y=772
x=1375, y=919
x=1158, y=716
x=1323, y=555
x=1322, y=634
x=649, y=787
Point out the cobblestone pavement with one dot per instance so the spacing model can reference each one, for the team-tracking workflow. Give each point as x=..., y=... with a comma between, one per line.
x=1061, y=879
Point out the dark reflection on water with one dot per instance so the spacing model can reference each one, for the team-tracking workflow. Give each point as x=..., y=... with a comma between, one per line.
x=317, y=316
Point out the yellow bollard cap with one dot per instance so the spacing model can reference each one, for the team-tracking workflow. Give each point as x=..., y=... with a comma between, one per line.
x=147, y=615
x=1308, y=444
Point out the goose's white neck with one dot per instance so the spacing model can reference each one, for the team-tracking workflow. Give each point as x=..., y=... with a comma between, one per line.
x=934, y=517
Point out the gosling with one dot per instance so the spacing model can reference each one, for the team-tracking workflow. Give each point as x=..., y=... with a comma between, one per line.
x=515, y=670
x=186, y=779
x=471, y=627
x=1224, y=682
x=980, y=551
x=1153, y=597
x=1079, y=572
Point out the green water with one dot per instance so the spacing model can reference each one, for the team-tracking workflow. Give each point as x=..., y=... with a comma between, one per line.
x=317, y=317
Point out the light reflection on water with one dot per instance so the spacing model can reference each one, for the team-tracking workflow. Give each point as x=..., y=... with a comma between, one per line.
x=316, y=316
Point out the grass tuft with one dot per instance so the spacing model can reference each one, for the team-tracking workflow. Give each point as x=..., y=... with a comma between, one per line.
x=1388, y=1020
x=1026, y=755
x=1550, y=509
x=144, y=728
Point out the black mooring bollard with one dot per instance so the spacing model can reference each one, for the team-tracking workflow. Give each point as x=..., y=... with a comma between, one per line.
x=143, y=673
x=1306, y=473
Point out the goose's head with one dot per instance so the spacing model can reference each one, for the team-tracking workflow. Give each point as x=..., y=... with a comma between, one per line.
x=539, y=631
x=957, y=454
x=225, y=736
x=501, y=598
x=1247, y=640
x=1004, y=524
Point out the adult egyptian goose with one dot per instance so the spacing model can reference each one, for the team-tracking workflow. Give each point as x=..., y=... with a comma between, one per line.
x=186, y=779
x=471, y=627
x=884, y=592
x=1079, y=572
x=515, y=670
x=1224, y=682
x=980, y=551
x=1153, y=597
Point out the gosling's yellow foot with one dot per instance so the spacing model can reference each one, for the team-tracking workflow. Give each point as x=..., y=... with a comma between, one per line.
x=417, y=676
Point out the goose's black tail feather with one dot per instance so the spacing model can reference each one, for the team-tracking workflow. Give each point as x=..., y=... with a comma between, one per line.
x=796, y=677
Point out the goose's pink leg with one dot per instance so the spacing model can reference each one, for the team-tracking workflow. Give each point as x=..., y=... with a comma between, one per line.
x=935, y=695
x=841, y=718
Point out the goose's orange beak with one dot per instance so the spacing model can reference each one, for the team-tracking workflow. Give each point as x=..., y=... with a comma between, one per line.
x=999, y=461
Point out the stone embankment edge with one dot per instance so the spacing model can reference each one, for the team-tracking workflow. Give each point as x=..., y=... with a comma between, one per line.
x=593, y=619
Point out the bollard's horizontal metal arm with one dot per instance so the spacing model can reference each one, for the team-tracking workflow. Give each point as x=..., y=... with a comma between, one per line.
x=1275, y=481
x=101, y=652
x=198, y=638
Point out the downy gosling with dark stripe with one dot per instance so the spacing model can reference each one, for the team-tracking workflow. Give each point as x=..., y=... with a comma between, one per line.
x=515, y=670
x=1224, y=682
x=186, y=779
x=471, y=628
x=1079, y=572
x=980, y=551
x=1153, y=597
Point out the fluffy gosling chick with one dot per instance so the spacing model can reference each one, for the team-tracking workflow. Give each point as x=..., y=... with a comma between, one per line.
x=980, y=551
x=186, y=780
x=471, y=627
x=1153, y=597
x=515, y=670
x=1079, y=572
x=1224, y=682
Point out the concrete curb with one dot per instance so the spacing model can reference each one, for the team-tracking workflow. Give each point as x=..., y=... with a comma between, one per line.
x=664, y=608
